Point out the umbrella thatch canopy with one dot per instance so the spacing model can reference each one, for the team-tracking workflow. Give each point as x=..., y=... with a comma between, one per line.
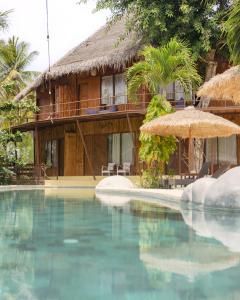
x=191, y=123
x=225, y=86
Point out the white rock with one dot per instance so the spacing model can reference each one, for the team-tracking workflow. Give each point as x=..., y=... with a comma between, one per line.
x=225, y=191
x=187, y=194
x=199, y=189
x=120, y=182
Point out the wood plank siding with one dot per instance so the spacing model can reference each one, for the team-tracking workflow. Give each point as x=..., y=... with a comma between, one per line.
x=95, y=136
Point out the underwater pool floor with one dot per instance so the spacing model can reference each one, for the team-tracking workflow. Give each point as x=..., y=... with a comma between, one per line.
x=67, y=244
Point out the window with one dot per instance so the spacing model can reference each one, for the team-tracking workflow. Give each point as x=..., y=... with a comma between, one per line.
x=120, y=89
x=120, y=148
x=107, y=90
x=114, y=89
x=222, y=150
x=51, y=153
x=174, y=91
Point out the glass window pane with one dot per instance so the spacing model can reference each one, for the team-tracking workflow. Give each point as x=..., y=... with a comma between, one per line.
x=54, y=154
x=120, y=89
x=127, y=148
x=110, y=148
x=107, y=90
x=48, y=159
x=116, y=148
x=170, y=92
x=227, y=149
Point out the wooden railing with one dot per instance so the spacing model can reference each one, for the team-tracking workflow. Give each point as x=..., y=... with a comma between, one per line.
x=28, y=174
x=111, y=105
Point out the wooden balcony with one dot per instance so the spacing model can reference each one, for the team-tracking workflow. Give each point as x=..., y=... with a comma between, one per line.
x=94, y=109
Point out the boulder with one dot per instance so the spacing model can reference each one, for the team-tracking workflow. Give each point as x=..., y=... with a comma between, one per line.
x=115, y=182
x=200, y=188
x=225, y=191
x=187, y=194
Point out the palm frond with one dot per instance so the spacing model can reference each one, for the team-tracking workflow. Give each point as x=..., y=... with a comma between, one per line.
x=232, y=27
x=162, y=66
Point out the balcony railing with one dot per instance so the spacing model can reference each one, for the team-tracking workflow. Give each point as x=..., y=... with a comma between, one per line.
x=97, y=107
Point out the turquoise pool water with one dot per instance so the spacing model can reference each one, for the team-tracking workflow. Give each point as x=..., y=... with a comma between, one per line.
x=68, y=245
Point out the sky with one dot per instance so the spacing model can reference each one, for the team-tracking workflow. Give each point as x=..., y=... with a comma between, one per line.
x=69, y=25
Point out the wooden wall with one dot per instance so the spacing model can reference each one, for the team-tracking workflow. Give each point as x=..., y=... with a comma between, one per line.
x=95, y=136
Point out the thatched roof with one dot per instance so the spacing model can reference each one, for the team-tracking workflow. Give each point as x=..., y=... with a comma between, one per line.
x=191, y=122
x=105, y=48
x=225, y=86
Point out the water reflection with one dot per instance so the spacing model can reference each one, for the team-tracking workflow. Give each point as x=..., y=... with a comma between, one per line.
x=68, y=245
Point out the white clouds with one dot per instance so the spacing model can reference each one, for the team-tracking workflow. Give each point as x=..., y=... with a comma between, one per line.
x=69, y=24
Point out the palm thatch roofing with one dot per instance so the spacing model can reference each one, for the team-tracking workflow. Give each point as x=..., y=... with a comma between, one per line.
x=108, y=47
x=191, y=122
x=225, y=86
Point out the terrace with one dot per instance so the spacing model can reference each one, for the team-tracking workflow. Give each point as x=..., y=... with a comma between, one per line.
x=95, y=109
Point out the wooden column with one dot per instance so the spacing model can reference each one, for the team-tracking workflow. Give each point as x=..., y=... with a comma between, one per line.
x=133, y=139
x=85, y=149
x=37, y=152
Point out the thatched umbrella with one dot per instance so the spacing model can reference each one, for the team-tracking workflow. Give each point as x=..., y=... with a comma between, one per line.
x=191, y=123
x=225, y=86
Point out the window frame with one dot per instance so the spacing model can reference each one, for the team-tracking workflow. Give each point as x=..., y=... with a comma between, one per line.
x=113, y=89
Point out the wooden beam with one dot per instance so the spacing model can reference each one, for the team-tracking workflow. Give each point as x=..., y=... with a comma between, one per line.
x=36, y=152
x=133, y=140
x=85, y=149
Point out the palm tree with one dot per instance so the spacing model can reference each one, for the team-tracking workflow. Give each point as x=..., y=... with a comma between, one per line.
x=4, y=19
x=162, y=66
x=14, y=59
x=232, y=27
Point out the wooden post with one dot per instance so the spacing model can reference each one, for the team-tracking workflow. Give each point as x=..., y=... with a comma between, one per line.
x=85, y=149
x=212, y=156
x=36, y=150
x=189, y=149
x=133, y=140
x=179, y=157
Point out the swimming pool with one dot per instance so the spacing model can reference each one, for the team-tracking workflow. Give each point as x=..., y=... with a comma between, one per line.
x=66, y=244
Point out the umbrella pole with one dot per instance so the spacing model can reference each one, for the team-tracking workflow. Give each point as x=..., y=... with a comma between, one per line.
x=213, y=148
x=189, y=149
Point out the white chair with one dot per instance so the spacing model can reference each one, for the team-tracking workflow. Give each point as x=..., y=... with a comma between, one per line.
x=109, y=169
x=125, y=169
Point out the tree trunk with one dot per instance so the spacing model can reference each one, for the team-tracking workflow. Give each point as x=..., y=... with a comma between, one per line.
x=211, y=67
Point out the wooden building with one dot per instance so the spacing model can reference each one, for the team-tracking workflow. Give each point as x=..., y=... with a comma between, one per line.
x=85, y=118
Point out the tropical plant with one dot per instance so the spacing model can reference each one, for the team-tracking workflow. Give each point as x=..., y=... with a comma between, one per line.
x=198, y=22
x=4, y=19
x=155, y=150
x=162, y=66
x=14, y=59
x=232, y=27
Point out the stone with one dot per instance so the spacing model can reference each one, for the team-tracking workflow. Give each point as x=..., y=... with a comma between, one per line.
x=119, y=182
x=200, y=188
x=225, y=191
x=187, y=194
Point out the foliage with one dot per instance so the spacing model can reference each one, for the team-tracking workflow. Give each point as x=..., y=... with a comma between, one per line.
x=16, y=149
x=162, y=66
x=4, y=19
x=198, y=22
x=14, y=59
x=232, y=27
x=14, y=113
x=155, y=150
